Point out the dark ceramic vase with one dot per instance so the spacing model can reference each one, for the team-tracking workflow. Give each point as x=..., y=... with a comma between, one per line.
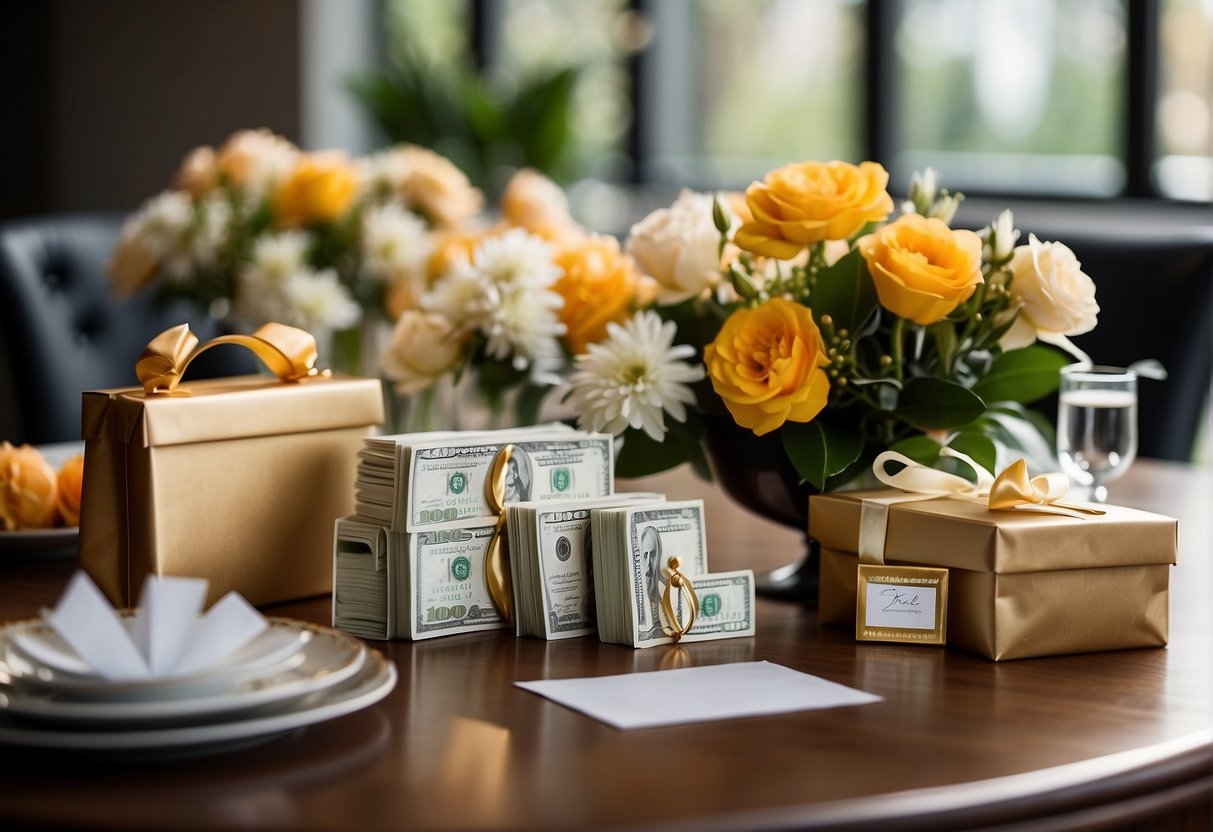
x=755, y=472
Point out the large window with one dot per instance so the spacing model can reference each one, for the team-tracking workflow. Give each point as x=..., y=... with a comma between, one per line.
x=1091, y=98
x=1185, y=102
x=1013, y=95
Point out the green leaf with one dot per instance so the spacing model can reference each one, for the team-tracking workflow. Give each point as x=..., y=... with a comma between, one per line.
x=922, y=449
x=978, y=446
x=640, y=456
x=819, y=451
x=527, y=404
x=845, y=292
x=1023, y=375
x=933, y=404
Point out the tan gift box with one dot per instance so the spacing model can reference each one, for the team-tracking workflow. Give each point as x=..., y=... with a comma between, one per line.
x=1020, y=583
x=238, y=482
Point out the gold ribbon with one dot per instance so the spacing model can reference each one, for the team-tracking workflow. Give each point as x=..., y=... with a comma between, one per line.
x=289, y=353
x=675, y=629
x=1011, y=490
x=496, y=563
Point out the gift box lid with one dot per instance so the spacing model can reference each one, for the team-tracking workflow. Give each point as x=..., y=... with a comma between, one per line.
x=967, y=535
x=231, y=408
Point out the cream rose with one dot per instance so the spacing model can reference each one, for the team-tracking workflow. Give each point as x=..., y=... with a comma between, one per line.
x=536, y=203
x=1055, y=298
x=433, y=185
x=424, y=347
x=678, y=247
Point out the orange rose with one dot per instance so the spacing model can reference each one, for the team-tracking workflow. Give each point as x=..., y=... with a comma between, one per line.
x=71, y=484
x=27, y=488
x=599, y=286
x=798, y=205
x=922, y=269
x=766, y=364
x=319, y=189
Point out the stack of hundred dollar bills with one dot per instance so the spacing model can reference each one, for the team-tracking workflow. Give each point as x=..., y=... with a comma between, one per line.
x=410, y=562
x=552, y=567
x=633, y=546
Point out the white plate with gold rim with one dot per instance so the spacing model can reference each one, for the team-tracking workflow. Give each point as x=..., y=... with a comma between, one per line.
x=326, y=658
x=32, y=653
x=371, y=683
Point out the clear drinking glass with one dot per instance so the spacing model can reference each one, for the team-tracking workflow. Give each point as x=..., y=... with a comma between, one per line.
x=1096, y=425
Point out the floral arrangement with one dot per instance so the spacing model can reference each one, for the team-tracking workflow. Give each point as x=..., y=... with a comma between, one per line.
x=259, y=230
x=803, y=310
x=32, y=494
x=841, y=331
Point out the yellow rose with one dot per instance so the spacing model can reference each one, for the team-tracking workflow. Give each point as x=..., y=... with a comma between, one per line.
x=70, y=484
x=767, y=365
x=599, y=286
x=798, y=205
x=27, y=488
x=320, y=188
x=424, y=347
x=922, y=269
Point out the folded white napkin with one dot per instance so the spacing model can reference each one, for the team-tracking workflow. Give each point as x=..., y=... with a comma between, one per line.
x=168, y=637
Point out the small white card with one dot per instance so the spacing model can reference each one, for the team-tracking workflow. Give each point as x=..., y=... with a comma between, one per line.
x=697, y=694
x=901, y=603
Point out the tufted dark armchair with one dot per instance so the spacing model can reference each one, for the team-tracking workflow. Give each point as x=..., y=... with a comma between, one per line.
x=62, y=333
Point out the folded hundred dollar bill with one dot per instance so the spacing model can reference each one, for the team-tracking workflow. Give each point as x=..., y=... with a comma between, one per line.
x=551, y=563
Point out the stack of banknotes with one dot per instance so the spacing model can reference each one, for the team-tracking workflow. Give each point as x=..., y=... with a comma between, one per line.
x=633, y=548
x=411, y=562
x=551, y=562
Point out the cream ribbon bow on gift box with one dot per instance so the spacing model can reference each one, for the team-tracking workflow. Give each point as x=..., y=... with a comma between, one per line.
x=1011, y=490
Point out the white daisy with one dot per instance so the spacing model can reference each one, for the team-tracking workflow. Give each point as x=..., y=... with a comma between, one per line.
x=277, y=259
x=395, y=242
x=211, y=233
x=523, y=327
x=278, y=256
x=462, y=295
x=162, y=227
x=516, y=258
x=634, y=377
x=316, y=301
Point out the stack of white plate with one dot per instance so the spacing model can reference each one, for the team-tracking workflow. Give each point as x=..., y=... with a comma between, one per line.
x=293, y=674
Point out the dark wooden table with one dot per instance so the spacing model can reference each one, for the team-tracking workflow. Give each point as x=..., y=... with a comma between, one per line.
x=1103, y=740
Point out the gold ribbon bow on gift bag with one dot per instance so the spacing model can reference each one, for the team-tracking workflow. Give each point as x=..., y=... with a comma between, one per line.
x=1011, y=490
x=288, y=352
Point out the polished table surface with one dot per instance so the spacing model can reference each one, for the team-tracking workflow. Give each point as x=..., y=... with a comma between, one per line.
x=1086, y=741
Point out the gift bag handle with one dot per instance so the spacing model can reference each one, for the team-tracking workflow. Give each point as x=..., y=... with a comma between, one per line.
x=288, y=352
